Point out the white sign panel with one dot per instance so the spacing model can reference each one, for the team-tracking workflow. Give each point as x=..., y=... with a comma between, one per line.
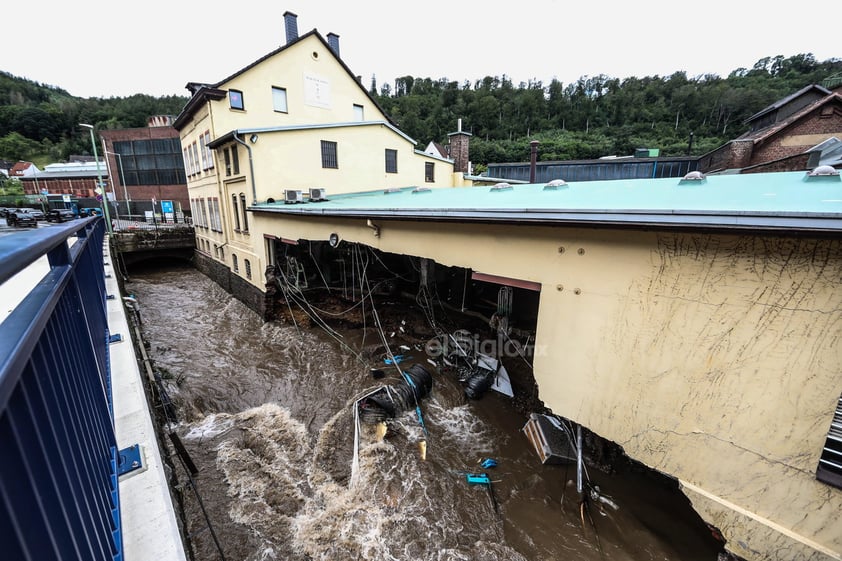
x=316, y=91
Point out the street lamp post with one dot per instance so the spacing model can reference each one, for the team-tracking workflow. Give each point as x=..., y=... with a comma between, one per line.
x=99, y=179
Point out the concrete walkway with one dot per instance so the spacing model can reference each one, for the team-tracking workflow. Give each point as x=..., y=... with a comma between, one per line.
x=150, y=527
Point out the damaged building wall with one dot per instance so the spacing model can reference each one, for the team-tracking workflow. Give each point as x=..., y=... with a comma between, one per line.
x=712, y=358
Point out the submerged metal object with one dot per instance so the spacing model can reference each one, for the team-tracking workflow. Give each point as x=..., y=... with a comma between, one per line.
x=551, y=442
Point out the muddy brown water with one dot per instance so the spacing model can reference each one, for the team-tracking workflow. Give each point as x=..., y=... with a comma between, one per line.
x=265, y=411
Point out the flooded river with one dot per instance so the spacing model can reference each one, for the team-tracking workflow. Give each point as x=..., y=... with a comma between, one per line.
x=266, y=413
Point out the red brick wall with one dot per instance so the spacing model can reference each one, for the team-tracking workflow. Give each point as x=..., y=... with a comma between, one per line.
x=735, y=154
x=797, y=162
x=814, y=124
x=459, y=142
x=143, y=192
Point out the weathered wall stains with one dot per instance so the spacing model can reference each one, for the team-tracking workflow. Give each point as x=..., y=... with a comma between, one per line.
x=731, y=373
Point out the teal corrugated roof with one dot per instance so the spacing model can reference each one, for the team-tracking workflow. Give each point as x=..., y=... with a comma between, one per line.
x=788, y=200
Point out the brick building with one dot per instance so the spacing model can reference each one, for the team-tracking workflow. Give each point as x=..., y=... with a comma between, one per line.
x=77, y=179
x=146, y=164
x=793, y=134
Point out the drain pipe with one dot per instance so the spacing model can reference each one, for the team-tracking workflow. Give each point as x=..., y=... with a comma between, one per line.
x=580, y=487
x=251, y=167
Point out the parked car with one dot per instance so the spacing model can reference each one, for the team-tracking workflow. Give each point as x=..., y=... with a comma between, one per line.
x=4, y=211
x=37, y=213
x=60, y=215
x=90, y=211
x=19, y=218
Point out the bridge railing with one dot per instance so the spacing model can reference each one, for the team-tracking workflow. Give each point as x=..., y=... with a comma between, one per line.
x=59, y=497
x=135, y=222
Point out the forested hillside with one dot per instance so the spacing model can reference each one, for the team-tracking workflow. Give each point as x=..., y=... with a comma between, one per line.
x=593, y=117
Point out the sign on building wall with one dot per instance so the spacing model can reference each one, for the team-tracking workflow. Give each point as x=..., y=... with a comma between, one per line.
x=316, y=91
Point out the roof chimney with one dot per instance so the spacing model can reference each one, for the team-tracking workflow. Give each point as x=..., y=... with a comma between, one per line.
x=333, y=41
x=291, y=26
x=459, y=149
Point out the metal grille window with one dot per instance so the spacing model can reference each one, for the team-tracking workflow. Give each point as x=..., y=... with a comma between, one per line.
x=429, y=172
x=248, y=268
x=391, y=161
x=830, y=462
x=329, y=157
x=235, y=263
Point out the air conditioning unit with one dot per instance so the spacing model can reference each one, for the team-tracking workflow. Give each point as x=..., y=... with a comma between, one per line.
x=293, y=196
x=318, y=194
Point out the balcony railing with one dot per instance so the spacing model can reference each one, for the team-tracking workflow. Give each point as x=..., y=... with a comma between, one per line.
x=59, y=461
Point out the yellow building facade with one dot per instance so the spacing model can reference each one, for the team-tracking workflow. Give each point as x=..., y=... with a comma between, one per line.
x=295, y=120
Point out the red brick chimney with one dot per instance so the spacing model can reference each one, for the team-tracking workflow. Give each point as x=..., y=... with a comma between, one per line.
x=459, y=142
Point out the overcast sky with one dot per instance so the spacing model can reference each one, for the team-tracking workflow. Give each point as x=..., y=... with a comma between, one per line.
x=98, y=48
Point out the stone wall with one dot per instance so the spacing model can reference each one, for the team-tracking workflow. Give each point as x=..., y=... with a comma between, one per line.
x=237, y=286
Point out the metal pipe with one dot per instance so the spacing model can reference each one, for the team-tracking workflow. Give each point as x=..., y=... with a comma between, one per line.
x=251, y=167
x=533, y=162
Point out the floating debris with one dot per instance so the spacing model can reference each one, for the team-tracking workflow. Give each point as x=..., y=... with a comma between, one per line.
x=390, y=400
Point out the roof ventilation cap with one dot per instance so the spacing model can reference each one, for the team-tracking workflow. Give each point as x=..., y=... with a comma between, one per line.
x=823, y=174
x=392, y=190
x=824, y=171
x=422, y=190
x=692, y=177
x=555, y=184
x=501, y=187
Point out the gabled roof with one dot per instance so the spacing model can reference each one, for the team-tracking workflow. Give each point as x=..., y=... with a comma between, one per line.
x=784, y=101
x=763, y=134
x=19, y=169
x=212, y=92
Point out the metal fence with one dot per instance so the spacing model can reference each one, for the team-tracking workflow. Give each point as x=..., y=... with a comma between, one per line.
x=59, y=496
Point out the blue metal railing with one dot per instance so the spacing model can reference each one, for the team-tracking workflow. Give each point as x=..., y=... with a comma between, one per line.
x=59, y=497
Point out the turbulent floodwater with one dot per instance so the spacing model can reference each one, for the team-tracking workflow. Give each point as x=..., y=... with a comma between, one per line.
x=265, y=412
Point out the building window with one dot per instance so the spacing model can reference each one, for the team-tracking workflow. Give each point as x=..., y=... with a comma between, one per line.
x=245, y=216
x=429, y=172
x=231, y=155
x=204, y=152
x=830, y=461
x=215, y=220
x=329, y=158
x=208, y=149
x=391, y=161
x=359, y=113
x=235, y=211
x=248, y=268
x=279, y=99
x=235, y=98
x=235, y=159
x=235, y=263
